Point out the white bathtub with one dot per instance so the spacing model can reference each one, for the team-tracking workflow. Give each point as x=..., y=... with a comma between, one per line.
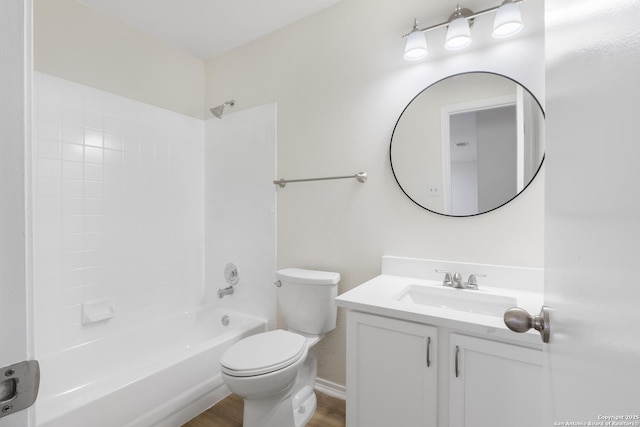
x=160, y=374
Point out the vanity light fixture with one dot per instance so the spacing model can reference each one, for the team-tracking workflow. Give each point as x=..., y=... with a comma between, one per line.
x=459, y=31
x=416, y=47
x=508, y=22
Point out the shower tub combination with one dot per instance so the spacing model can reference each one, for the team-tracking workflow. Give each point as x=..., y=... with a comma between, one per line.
x=158, y=374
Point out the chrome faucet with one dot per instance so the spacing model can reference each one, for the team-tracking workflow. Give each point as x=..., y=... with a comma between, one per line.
x=447, y=281
x=455, y=280
x=472, y=283
x=226, y=291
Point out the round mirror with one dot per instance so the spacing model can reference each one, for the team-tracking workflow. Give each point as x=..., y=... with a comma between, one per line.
x=468, y=144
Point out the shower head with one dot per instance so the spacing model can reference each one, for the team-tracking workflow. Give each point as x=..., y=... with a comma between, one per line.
x=217, y=111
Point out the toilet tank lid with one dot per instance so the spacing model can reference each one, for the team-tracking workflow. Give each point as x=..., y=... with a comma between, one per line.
x=308, y=277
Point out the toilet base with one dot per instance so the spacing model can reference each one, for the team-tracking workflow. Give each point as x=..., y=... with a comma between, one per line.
x=307, y=404
x=273, y=412
x=280, y=411
x=293, y=408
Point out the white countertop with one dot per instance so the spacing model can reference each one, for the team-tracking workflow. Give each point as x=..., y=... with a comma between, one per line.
x=380, y=296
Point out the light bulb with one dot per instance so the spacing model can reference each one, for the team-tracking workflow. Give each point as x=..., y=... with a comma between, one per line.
x=508, y=20
x=416, y=46
x=458, y=34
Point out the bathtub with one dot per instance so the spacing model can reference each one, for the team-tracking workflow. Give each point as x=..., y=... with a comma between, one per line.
x=159, y=374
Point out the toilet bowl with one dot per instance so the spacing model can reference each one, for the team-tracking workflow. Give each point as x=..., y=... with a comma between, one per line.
x=274, y=372
x=263, y=369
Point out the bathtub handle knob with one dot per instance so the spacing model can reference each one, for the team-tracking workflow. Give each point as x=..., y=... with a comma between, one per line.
x=231, y=274
x=278, y=283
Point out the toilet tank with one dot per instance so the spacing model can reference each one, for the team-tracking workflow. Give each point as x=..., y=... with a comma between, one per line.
x=307, y=300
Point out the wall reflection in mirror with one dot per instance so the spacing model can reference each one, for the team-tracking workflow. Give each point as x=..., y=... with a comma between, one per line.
x=468, y=144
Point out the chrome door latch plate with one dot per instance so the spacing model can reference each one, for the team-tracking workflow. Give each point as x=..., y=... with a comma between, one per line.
x=19, y=384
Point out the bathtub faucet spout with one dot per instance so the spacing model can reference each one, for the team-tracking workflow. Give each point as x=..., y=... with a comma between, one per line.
x=226, y=291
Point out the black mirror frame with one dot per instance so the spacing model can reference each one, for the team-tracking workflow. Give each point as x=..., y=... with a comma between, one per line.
x=425, y=89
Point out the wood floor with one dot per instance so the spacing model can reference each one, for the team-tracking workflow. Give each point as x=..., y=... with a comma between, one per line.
x=228, y=413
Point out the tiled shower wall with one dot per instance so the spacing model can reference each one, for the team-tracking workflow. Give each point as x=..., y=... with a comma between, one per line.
x=118, y=211
x=240, y=209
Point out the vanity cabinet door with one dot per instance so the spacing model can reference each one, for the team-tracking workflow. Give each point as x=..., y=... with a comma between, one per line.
x=495, y=384
x=391, y=372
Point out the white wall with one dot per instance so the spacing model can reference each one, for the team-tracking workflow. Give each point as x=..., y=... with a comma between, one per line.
x=340, y=83
x=80, y=44
x=15, y=134
x=118, y=211
x=240, y=208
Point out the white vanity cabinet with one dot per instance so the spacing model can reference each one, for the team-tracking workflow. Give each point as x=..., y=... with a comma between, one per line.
x=420, y=354
x=393, y=368
x=391, y=372
x=494, y=384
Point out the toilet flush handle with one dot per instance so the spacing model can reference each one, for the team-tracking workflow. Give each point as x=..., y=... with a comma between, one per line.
x=278, y=283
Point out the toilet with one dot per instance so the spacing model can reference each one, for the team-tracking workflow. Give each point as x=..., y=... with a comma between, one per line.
x=275, y=372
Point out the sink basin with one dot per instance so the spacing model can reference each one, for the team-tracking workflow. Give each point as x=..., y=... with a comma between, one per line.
x=472, y=301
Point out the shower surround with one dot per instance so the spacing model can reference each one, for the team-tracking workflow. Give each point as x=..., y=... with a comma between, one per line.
x=119, y=246
x=118, y=212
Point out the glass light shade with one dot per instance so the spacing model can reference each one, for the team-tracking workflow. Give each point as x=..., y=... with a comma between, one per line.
x=508, y=20
x=458, y=34
x=416, y=47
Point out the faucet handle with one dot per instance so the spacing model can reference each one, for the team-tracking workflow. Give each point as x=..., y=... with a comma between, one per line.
x=447, y=281
x=473, y=280
x=457, y=278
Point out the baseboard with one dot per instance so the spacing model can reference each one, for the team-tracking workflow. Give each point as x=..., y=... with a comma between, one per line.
x=331, y=389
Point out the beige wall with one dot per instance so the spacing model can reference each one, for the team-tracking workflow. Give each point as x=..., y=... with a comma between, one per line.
x=340, y=83
x=80, y=44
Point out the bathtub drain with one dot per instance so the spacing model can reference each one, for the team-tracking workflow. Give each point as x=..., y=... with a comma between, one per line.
x=225, y=320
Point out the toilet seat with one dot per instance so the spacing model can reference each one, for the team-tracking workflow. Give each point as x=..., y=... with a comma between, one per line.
x=263, y=353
